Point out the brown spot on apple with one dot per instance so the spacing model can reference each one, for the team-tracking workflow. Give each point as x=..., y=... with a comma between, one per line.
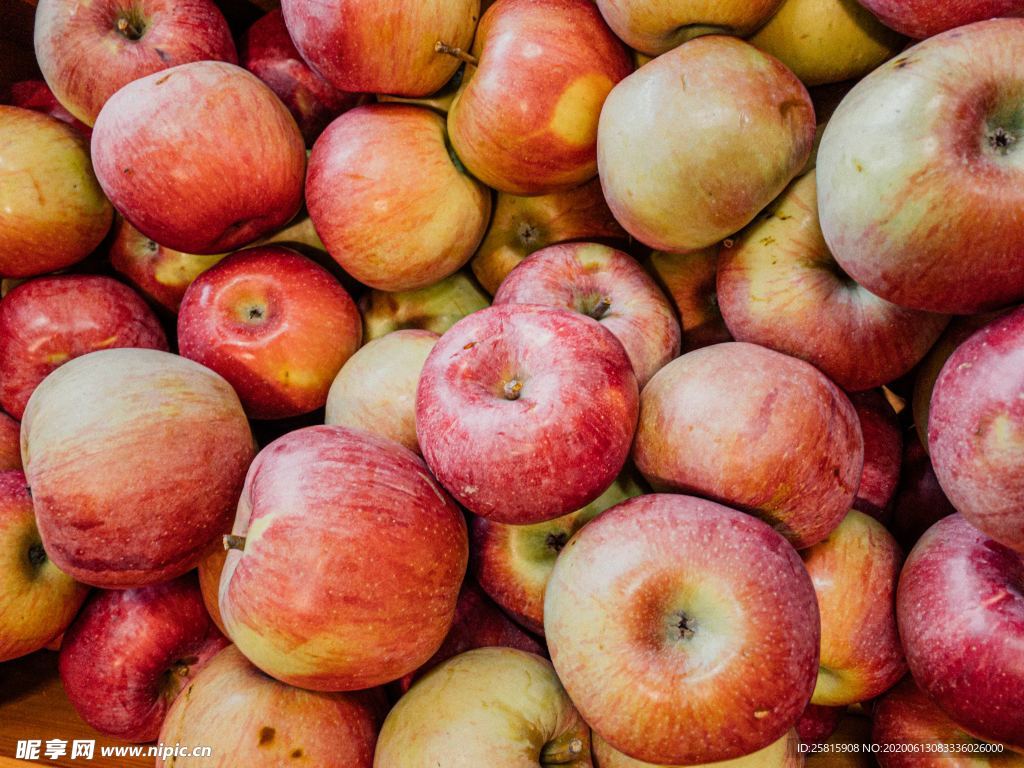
x=296, y=753
x=267, y=735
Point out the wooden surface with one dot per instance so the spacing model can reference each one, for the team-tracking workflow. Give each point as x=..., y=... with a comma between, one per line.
x=33, y=706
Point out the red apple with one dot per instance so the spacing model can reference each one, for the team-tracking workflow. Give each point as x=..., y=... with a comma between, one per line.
x=395, y=209
x=779, y=286
x=130, y=652
x=55, y=213
x=689, y=279
x=784, y=753
x=561, y=61
x=756, y=429
x=435, y=308
x=48, y=321
x=607, y=285
x=37, y=600
x=924, y=18
x=817, y=723
x=269, y=53
x=89, y=51
x=931, y=133
x=919, y=502
x=685, y=632
x=976, y=429
x=525, y=413
x=36, y=95
x=253, y=720
x=381, y=47
x=347, y=561
x=10, y=442
x=135, y=458
x=277, y=326
x=883, y=454
x=202, y=158
x=961, y=619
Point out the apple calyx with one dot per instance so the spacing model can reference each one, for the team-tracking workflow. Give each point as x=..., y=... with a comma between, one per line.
x=234, y=542
x=512, y=389
x=458, y=53
x=563, y=751
x=36, y=554
x=687, y=626
x=556, y=541
x=1001, y=140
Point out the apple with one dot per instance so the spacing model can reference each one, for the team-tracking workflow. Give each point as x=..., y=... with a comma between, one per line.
x=135, y=458
x=779, y=286
x=658, y=27
x=561, y=61
x=175, y=152
x=783, y=753
x=827, y=41
x=854, y=572
x=883, y=454
x=690, y=280
x=959, y=607
x=376, y=389
x=919, y=502
x=818, y=723
x=930, y=132
x=131, y=651
x=435, y=308
x=513, y=562
x=10, y=441
x=253, y=720
x=676, y=138
x=607, y=285
x=907, y=720
x=478, y=623
x=88, y=52
x=922, y=18
x=162, y=274
x=55, y=213
x=50, y=320
x=526, y=413
x=755, y=429
x=976, y=429
x=346, y=561
x=522, y=225
x=269, y=53
x=277, y=326
x=499, y=707
x=210, y=568
x=684, y=631
x=381, y=47
x=36, y=95
x=392, y=205
x=37, y=599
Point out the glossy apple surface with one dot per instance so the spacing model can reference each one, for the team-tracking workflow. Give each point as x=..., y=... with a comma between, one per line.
x=135, y=458
x=48, y=321
x=921, y=18
x=209, y=571
x=883, y=454
x=783, y=753
x=817, y=723
x=435, y=308
x=10, y=443
x=787, y=446
x=231, y=148
x=526, y=413
x=689, y=279
x=684, y=631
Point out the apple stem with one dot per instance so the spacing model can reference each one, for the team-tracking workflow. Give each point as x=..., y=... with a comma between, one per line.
x=234, y=542
x=562, y=751
x=458, y=53
x=128, y=28
x=512, y=389
x=601, y=308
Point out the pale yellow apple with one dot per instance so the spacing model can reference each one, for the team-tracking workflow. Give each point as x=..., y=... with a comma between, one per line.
x=434, y=308
x=783, y=753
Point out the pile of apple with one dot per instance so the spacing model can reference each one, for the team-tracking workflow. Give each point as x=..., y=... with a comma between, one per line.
x=691, y=463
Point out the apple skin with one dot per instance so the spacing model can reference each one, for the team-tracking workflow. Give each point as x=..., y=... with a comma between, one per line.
x=233, y=150
x=10, y=442
x=135, y=458
x=656, y=27
x=37, y=600
x=435, y=308
x=891, y=168
x=513, y=563
x=788, y=446
x=131, y=651
x=376, y=389
x=883, y=454
x=36, y=95
x=783, y=753
x=390, y=203
x=253, y=720
x=905, y=716
x=854, y=572
x=526, y=413
x=209, y=570
x=522, y=225
x=923, y=18
x=277, y=326
x=55, y=213
x=563, y=57
x=976, y=429
x=385, y=47
x=827, y=41
x=961, y=619
x=676, y=137
x=86, y=57
x=919, y=502
x=779, y=286
x=495, y=707
x=341, y=489
x=660, y=663
x=607, y=285
x=269, y=53
x=50, y=320
x=818, y=723
x=690, y=280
